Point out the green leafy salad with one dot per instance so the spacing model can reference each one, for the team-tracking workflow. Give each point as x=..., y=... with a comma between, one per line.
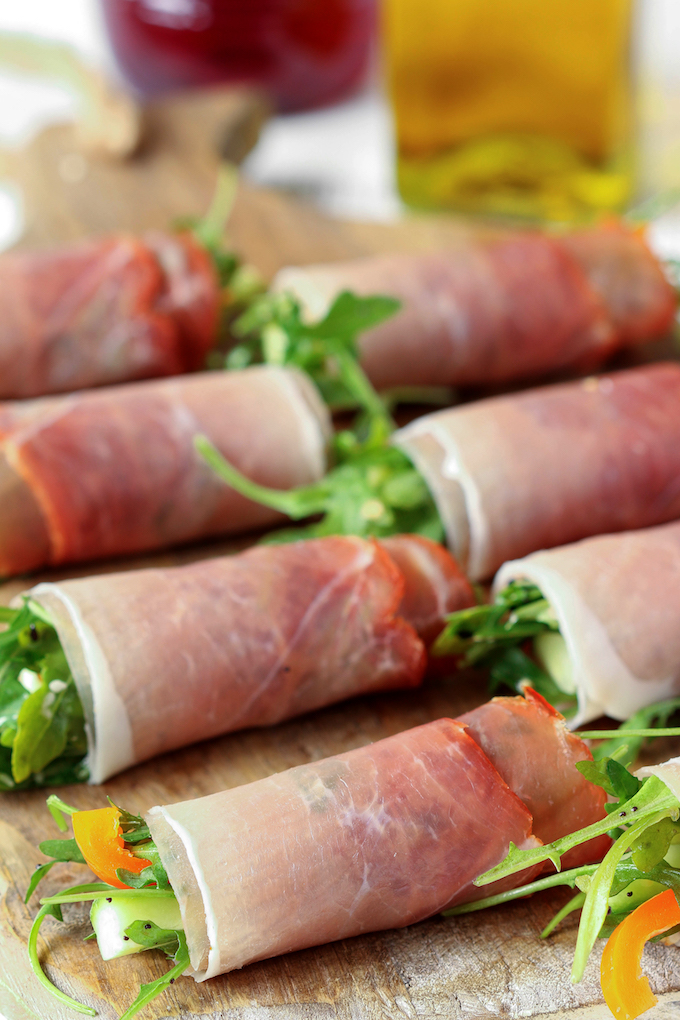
x=517, y=638
x=373, y=489
x=135, y=910
x=644, y=859
x=42, y=728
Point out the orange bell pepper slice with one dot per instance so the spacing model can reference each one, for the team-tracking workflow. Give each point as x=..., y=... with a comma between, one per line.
x=626, y=989
x=100, y=840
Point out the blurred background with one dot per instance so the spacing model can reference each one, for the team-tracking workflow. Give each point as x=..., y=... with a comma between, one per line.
x=555, y=110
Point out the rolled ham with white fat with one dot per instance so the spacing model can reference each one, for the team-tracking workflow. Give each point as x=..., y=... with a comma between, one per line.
x=500, y=306
x=617, y=603
x=114, y=471
x=548, y=466
x=379, y=837
x=166, y=657
x=105, y=311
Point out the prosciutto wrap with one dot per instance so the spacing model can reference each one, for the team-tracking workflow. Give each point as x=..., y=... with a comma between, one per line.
x=379, y=837
x=500, y=306
x=165, y=657
x=114, y=471
x=105, y=311
x=548, y=466
x=617, y=602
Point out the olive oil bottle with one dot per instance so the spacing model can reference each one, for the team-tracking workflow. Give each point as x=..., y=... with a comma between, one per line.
x=519, y=108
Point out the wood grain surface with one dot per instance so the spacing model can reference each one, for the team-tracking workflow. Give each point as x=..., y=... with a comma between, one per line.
x=483, y=965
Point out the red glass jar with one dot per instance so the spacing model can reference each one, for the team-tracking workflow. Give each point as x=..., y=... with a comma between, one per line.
x=305, y=52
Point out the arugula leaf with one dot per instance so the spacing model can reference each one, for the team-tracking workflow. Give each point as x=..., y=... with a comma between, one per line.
x=597, y=898
x=513, y=668
x=62, y=850
x=613, y=777
x=650, y=848
x=517, y=613
x=350, y=315
x=652, y=717
x=160, y=875
x=273, y=331
x=50, y=910
x=58, y=808
x=568, y=878
x=134, y=828
x=652, y=797
x=40, y=871
x=174, y=943
x=95, y=890
x=648, y=821
x=150, y=991
x=492, y=636
x=376, y=492
x=151, y=936
x=42, y=726
x=136, y=879
x=374, y=489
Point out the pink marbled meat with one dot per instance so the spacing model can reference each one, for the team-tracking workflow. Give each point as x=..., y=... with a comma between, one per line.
x=528, y=742
x=628, y=277
x=435, y=584
x=115, y=471
x=548, y=466
x=104, y=311
x=501, y=306
x=379, y=837
x=239, y=641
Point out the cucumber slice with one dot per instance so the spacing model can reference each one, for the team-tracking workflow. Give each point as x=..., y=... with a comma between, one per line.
x=551, y=651
x=110, y=919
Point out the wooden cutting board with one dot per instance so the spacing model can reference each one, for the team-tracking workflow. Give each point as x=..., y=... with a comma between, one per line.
x=484, y=965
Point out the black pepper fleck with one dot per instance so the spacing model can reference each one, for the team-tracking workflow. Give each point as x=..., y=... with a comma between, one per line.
x=109, y=899
x=126, y=938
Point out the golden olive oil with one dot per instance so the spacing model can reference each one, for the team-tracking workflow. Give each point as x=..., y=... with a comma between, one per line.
x=512, y=107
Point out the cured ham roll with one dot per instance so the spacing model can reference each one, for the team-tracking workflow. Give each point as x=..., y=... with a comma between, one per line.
x=166, y=657
x=548, y=466
x=105, y=311
x=617, y=603
x=500, y=306
x=114, y=471
x=379, y=837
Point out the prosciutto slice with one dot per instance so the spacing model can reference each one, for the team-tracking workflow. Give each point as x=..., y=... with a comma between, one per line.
x=379, y=837
x=617, y=602
x=435, y=584
x=548, y=466
x=519, y=736
x=166, y=657
x=105, y=311
x=500, y=306
x=114, y=471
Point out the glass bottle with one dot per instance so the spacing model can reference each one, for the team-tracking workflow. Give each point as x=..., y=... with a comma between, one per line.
x=518, y=108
